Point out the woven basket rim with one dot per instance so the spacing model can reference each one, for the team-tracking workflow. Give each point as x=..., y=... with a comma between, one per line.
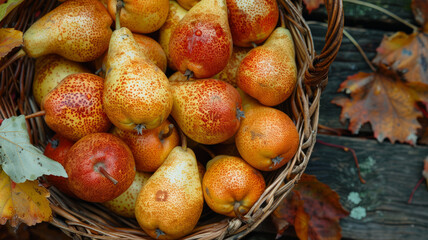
x=83, y=219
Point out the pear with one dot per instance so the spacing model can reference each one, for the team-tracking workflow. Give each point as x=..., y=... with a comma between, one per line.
x=170, y=204
x=252, y=21
x=176, y=13
x=141, y=16
x=201, y=44
x=231, y=186
x=152, y=50
x=74, y=108
x=268, y=72
x=78, y=30
x=188, y=4
x=124, y=204
x=207, y=110
x=136, y=92
x=49, y=71
x=228, y=74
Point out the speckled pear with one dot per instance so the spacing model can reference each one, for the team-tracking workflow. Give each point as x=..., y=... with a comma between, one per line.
x=268, y=72
x=188, y=4
x=176, y=13
x=207, y=110
x=136, y=92
x=78, y=30
x=141, y=16
x=74, y=108
x=170, y=204
x=49, y=71
x=202, y=43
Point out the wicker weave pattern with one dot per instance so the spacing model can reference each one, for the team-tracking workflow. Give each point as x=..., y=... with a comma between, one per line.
x=80, y=219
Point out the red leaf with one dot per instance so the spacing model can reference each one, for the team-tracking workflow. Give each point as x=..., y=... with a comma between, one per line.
x=313, y=209
x=384, y=100
x=407, y=54
x=313, y=4
x=420, y=11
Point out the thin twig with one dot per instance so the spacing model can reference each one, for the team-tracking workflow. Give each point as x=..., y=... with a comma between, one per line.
x=414, y=189
x=383, y=10
x=346, y=149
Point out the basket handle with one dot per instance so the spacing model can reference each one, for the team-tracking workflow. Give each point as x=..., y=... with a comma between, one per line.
x=317, y=73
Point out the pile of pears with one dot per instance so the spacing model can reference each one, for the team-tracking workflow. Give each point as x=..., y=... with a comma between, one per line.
x=131, y=87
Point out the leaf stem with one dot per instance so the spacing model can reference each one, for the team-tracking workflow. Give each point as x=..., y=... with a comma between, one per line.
x=352, y=39
x=346, y=149
x=383, y=10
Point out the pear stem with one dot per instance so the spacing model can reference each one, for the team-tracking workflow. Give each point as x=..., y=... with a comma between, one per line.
x=54, y=143
x=119, y=6
x=159, y=233
x=15, y=57
x=237, y=213
x=107, y=175
x=140, y=128
x=183, y=140
x=36, y=114
x=163, y=135
x=207, y=150
x=282, y=18
x=253, y=44
x=188, y=73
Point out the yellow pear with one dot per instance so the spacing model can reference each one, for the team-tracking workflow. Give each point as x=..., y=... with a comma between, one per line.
x=136, y=92
x=124, y=205
x=49, y=71
x=176, y=13
x=188, y=4
x=78, y=30
x=170, y=204
x=141, y=16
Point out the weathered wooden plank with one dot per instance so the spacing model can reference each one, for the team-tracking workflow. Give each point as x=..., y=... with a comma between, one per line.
x=391, y=172
x=370, y=18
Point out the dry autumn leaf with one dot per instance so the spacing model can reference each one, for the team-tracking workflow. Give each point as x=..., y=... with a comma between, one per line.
x=384, y=100
x=23, y=202
x=313, y=4
x=313, y=209
x=420, y=12
x=407, y=54
x=7, y=6
x=9, y=39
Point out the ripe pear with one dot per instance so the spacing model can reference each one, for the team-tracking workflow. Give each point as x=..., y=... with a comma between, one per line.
x=170, y=204
x=228, y=74
x=231, y=186
x=136, y=92
x=268, y=72
x=141, y=16
x=201, y=44
x=152, y=147
x=179, y=77
x=74, y=108
x=188, y=4
x=252, y=21
x=49, y=71
x=124, y=204
x=152, y=50
x=267, y=138
x=78, y=30
x=207, y=110
x=176, y=13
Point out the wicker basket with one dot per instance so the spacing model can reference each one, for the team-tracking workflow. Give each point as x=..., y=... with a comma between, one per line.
x=80, y=219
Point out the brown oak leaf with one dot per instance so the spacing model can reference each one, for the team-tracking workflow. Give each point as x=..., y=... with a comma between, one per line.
x=313, y=209
x=384, y=100
x=313, y=4
x=406, y=54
